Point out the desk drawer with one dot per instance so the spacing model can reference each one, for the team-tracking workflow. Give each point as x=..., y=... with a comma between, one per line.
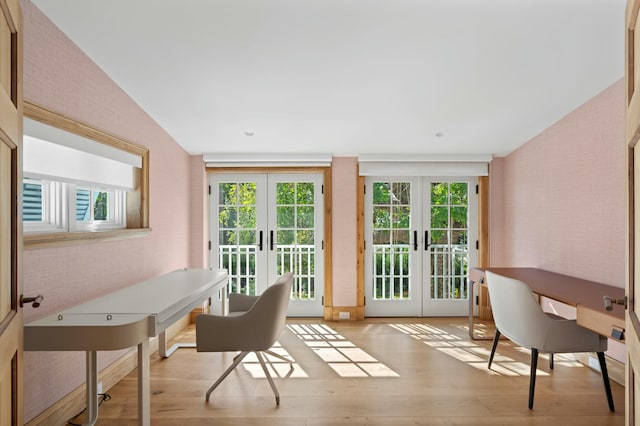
x=601, y=322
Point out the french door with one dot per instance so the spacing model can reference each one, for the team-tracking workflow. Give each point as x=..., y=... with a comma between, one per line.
x=420, y=240
x=263, y=225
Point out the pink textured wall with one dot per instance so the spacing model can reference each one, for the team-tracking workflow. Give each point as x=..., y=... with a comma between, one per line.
x=562, y=200
x=344, y=187
x=496, y=213
x=57, y=75
x=199, y=220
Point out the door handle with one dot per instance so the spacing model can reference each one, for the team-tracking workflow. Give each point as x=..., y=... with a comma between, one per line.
x=426, y=240
x=271, y=240
x=610, y=301
x=35, y=301
x=415, y=240
x=260, y=241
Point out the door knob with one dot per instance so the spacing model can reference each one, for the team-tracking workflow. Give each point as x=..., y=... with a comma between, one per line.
x=35, y=301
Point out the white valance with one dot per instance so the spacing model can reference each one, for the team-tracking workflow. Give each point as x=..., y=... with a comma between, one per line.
x=424, y=165
x=53, y=154
x=58, y=136
x=267, y=160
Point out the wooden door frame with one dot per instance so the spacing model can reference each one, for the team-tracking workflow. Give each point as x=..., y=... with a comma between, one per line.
x=11, y=113
x=632, y=324
x=632, y=131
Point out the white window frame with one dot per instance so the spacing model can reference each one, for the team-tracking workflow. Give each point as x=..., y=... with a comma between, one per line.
x=59, y=209
x=54, y=209
x=117, y=215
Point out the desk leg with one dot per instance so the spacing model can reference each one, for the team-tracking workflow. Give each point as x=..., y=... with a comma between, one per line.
x=225, y=301
x=144, y=386
x=470, y=294
x=162, y=346
x=165, y=352
x=472, y=335
x=92, y=388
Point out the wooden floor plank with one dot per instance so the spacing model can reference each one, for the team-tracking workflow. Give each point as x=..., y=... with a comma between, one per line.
x=409, y=371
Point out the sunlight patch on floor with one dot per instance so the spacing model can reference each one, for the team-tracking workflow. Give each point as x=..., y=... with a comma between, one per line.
x=476, y=356
x=341, y=355
x=276, y=366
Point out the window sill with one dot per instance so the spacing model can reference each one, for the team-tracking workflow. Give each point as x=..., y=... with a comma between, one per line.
x=35, y=241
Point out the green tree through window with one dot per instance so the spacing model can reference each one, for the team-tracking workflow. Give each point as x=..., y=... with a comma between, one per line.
x=101, y=206
x=449, y=236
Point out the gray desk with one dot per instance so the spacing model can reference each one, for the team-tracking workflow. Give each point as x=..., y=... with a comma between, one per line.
x=123, y=319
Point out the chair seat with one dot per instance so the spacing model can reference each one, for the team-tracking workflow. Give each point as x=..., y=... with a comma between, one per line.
x=566, y=336
x=563, y=336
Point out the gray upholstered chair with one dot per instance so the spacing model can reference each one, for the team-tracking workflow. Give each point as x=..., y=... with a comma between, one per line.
x=253, y=325
x=520, y=318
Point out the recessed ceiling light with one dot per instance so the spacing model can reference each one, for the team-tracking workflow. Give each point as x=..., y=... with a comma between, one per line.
x=248, y=132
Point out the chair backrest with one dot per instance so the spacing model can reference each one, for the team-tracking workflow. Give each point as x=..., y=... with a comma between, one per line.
x=269, y=313
x=516, y=313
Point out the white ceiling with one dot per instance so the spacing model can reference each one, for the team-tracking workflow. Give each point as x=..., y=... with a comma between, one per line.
x=348, y=77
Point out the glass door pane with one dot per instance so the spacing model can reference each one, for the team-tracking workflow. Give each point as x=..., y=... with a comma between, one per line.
x=238, y=234
x=238, y=240
x=391, y=240
x=296, y=235
x=392, y=259
x=296, y=200
x=450, y=227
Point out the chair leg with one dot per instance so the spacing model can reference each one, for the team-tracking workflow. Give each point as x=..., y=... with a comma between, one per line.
x=275, y=355
x=605, y=378
x=236, y=361
x=532, y=378
x=496, y=338
x=268, y=375
x=551, y=361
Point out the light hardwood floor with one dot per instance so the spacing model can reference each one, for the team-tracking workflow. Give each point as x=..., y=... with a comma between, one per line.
x=406, y=371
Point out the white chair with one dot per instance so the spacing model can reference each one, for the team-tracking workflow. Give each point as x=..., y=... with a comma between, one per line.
x=255, y=326
x=519, y=317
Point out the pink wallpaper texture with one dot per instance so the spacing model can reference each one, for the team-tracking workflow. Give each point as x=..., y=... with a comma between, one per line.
x=58, y=75
x=199, y=221
x=558, y=202
x=344, y=181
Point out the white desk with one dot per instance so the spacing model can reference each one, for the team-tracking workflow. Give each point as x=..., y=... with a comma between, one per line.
x=123, y=319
